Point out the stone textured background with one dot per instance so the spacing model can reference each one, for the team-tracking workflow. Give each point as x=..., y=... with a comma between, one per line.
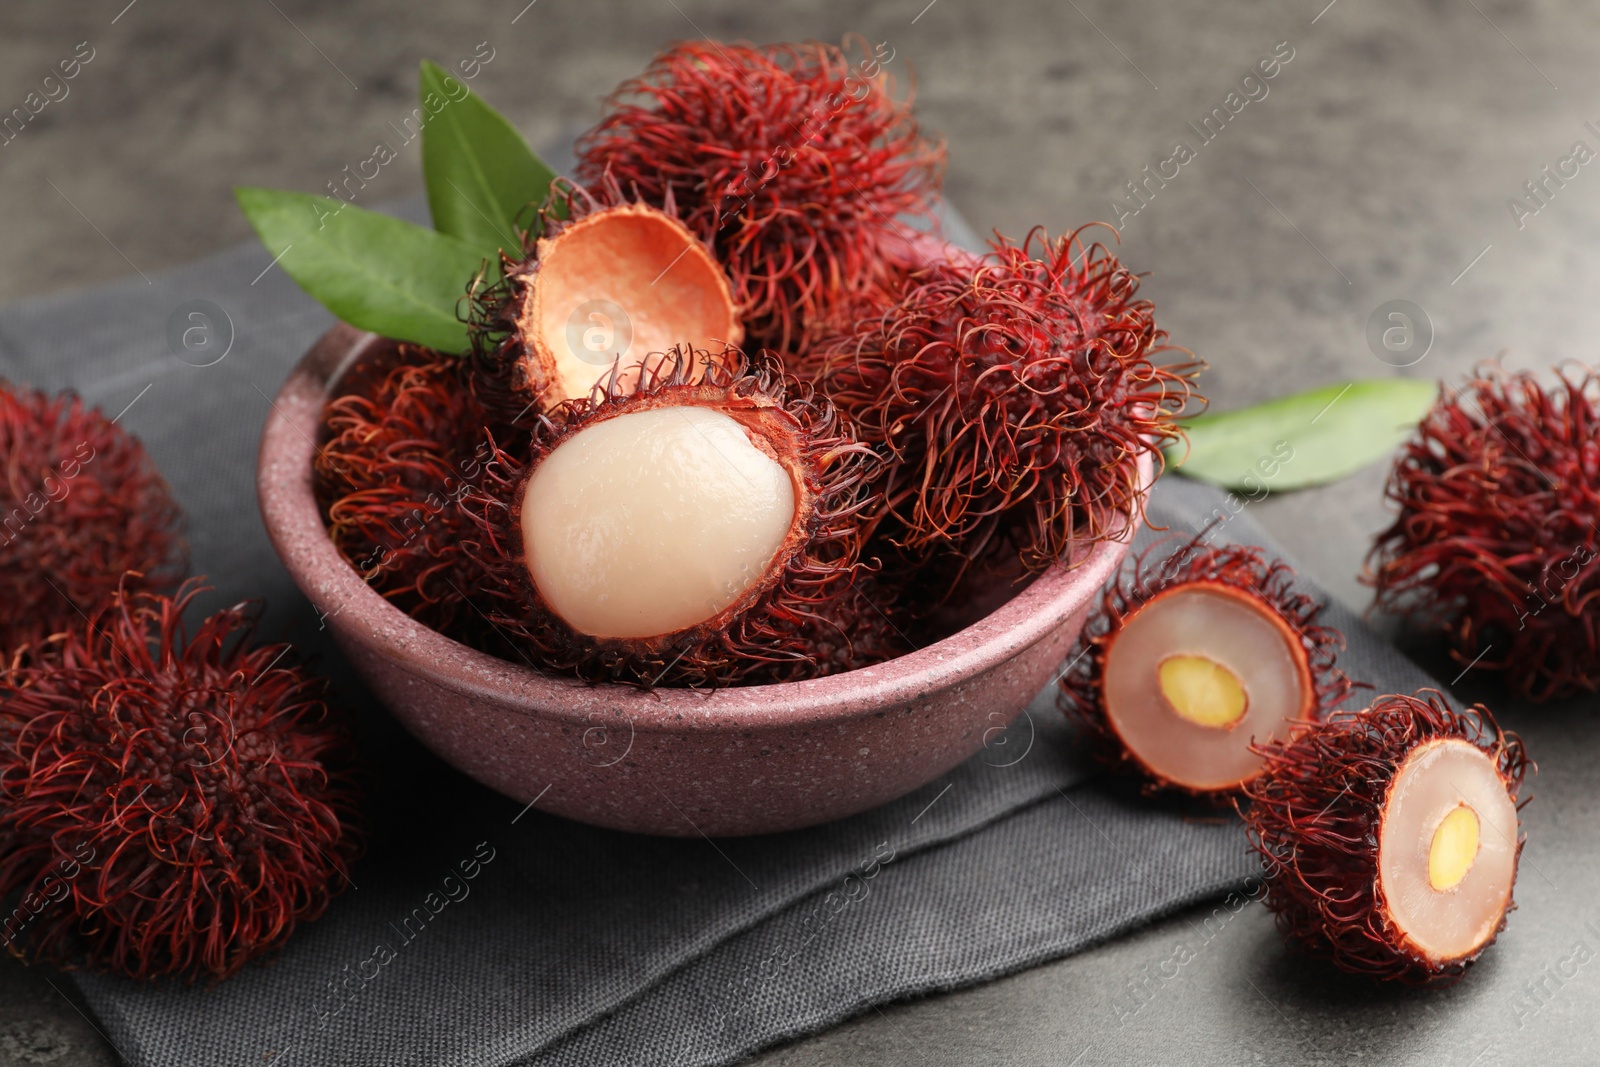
x=1378, y=167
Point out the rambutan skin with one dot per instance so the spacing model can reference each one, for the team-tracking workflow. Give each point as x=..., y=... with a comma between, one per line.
x=793, y=160
x=795, y=620
x=1314, y=819
x=1242, y=567
x=399, y=456
x=170, y=804
x=1011, y=396
x=1495, y=544
x=81, y=504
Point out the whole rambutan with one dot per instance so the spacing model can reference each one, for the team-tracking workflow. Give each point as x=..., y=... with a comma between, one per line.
x=1495, y=544
x=603, y=280
x=1012, y=397
x=169, y=804
x=81, y=504
x=397, y=459
x=794, y=161
x=1390, y=836
x=700, y=530
x=1191, y=656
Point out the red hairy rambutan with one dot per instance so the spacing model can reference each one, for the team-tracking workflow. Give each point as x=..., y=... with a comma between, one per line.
x=81, y=504
x=793, y=160
x=396, y=462
x=169, y=804
x=1012, y=397
x=603, y=280
x=1495, y=544
x=1193, y=655
x=1390, y=836
x=700, y=530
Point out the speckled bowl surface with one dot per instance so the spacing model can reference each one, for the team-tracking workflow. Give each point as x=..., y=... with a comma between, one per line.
x=742, y=760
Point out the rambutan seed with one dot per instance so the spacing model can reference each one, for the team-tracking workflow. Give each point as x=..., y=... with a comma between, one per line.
x=1191, y=656
x=1390, y=835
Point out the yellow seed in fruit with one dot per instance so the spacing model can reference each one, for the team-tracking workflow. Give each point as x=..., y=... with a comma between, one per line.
x=1202, y=690
x=1454, y=848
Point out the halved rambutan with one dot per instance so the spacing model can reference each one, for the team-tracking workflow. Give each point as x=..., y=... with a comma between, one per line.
x=1390, y=836
x=793, y=160
x=1193, y=655
x=81, y=504
x=604, y=280
x=688, y=532
x=1012, y=397
x=170, y=803
x=397, y=459
x=1495, y=544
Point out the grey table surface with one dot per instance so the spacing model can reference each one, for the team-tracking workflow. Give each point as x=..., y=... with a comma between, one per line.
x=1382, y=164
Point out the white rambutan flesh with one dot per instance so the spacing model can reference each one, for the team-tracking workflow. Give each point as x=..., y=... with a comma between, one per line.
x=654, y=521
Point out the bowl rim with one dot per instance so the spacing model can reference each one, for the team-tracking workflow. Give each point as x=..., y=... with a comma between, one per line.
x=295, y=527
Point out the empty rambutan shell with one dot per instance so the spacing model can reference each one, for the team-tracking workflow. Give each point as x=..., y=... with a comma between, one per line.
x=1012, y=397
x=690, y=532
x=1390, y=836
x=1496, y=544
x=606, y=281
x=81, y=504
x=794, y=161
x=398, y=457
x=1192, y=656
x=170, y=803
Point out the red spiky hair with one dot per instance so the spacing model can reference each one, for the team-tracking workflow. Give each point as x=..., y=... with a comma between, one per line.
x=398, y=457
x=1244, y=568
x=793, y=160
x=169, y=804
x=777, y=630
x=81, y=504
x=1314, y=818
x=1495, y=543
x=1013, y=396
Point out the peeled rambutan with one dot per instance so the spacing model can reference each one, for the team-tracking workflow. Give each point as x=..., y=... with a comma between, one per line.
x=793, y=160
x=397, y=459
x=1390, y=836
x=1191, y=656
x=81, y=504
x=696, y=531
x=1495, y=544
x=170, y=804
x=1012, y=397
x=604, y=280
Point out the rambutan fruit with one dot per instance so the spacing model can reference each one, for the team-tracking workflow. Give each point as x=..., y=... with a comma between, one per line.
x=699, y=530
x=170, y=804
x=794, y=161
x=1191, y=656
x=1495, y=544
x=1012, y=397
x=397, y=459
x=1390, y=836
x=605, y=280
x=81, y=504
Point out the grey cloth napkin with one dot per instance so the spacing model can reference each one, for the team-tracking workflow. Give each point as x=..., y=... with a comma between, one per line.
x=479, y=933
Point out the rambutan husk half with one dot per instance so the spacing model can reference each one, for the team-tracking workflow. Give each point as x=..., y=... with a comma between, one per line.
x=1390, y=836
x=795, y=162
x=1012, y=395
x=1495, y=544
x=1192, y=655
x=171, y=803
x=398, y=456
x=700, y=530
x=604, y=281
x=81, y=503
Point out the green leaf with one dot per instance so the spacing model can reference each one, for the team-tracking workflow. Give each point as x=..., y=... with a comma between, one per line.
x=1305, y=439
x=481, y=174
x=375, y=272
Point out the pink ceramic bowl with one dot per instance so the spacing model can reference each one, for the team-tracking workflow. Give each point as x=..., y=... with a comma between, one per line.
x=742, y=760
